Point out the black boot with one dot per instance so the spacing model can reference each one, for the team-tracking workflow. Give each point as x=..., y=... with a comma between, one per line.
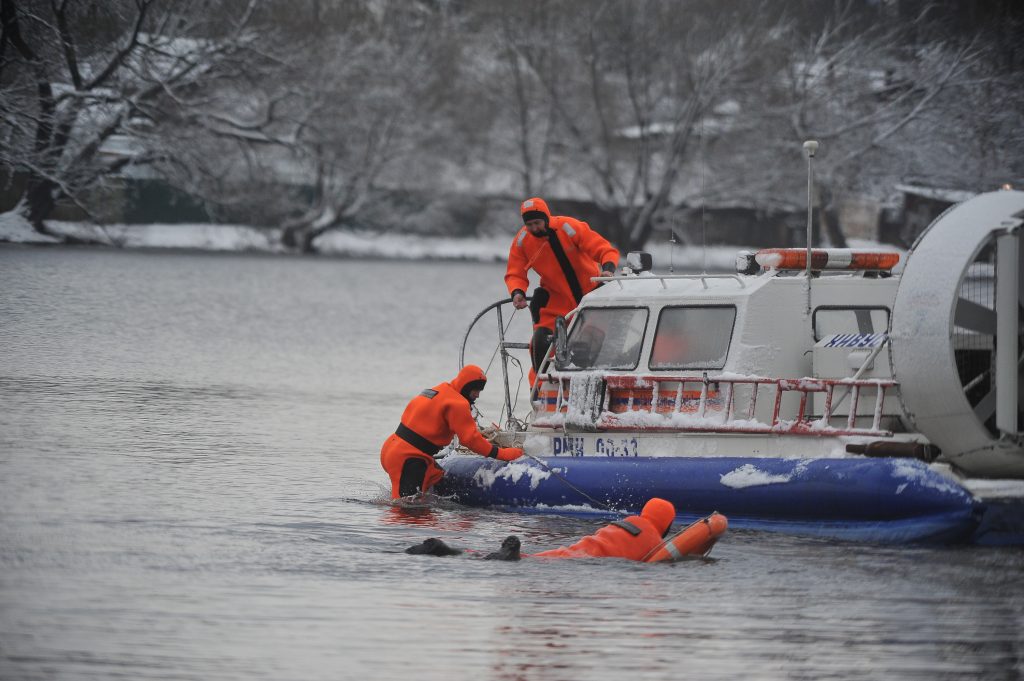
x=433, y=547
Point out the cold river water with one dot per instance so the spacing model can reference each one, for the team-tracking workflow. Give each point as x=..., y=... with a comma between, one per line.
x=190, y=488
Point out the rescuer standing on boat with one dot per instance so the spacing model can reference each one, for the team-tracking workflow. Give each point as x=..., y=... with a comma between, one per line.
x=633, y=538
x=429, y=422
x=566, y=253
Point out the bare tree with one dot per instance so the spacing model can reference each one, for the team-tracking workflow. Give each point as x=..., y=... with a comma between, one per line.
x=874, y=101
x=368, y=96
x=629, y=84
x=520, y=133
x=297, y=113
x=77, y=75
x=664, y=103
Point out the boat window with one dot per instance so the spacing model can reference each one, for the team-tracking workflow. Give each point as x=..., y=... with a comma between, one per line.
x=693, y=337
x=607, y=338
x=833, y=320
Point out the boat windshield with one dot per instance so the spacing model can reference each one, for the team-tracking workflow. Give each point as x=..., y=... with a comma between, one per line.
x=692, y=337
x=607, y=338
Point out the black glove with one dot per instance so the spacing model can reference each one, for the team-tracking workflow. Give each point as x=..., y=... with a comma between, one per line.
x=509, y=550
x=541, y=297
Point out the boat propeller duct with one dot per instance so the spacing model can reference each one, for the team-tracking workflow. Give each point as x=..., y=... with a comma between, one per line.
x=956, y=335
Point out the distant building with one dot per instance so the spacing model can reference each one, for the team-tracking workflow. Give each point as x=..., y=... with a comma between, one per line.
x=860, y=217
x=917, y=208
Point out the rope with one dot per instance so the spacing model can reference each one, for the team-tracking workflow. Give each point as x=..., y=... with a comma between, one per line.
x=574, y=488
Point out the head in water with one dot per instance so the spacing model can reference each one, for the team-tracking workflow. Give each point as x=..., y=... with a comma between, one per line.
x=661, y=513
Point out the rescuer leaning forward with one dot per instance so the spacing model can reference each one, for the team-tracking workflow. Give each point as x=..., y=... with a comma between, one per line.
x=429, y=422
x=566, y=253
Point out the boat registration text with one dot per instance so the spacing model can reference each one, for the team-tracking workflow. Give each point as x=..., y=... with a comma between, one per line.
x=568, y=445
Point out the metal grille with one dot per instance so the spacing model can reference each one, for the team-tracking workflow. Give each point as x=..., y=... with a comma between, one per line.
x=973, y=341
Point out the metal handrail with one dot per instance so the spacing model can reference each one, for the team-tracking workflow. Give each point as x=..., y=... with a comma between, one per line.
x=619, y=278
x=801, y=425
x=503, y=348
x=863, y=367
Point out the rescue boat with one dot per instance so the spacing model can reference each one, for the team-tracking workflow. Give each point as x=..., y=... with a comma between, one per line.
x=853, y=394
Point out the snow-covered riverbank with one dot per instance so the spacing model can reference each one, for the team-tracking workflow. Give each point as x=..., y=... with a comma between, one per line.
x=357, y=244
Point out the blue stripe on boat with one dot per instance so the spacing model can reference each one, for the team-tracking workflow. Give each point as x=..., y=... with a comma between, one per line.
x=877, y=499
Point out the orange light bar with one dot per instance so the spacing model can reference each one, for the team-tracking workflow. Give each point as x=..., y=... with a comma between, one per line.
x=825, y=259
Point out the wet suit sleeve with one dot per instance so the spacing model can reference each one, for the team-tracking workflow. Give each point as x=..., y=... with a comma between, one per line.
x=461, y=422
x=595, y=245
x=516, y=273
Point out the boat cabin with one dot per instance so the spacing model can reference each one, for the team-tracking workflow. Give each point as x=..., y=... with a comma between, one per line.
x=730, y=352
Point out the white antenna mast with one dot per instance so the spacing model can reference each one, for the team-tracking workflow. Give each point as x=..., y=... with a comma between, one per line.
x=704, y=200
x=671, y=248
x=810, y=148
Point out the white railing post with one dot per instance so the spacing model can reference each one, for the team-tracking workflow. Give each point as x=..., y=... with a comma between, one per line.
x=851, y=419
x=830, y=390
x=703, y=405
x=879, y=399
x=778, y=403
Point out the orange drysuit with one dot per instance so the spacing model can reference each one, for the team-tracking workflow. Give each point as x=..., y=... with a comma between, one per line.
x=565, y=259
x=429, y=422
x=633, y=538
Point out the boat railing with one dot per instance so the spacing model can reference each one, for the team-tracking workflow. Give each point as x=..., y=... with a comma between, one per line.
x=511, y=423
x=662, y=278
x=712, y=404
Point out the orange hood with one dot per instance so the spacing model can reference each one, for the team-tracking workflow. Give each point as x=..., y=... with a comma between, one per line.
x=470, y=378
x=661, y=513
x=534, y=208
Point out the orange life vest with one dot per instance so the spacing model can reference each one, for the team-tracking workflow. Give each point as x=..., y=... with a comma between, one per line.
x=565, y=260
x=436, y=415
x=632, y=538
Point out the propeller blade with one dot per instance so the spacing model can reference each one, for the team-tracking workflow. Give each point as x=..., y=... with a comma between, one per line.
x=975, y=317
x=986, y=407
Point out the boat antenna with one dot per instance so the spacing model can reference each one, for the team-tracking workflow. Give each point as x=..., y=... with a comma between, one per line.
x=810, y=149
x=704, y=198
x=671, y=248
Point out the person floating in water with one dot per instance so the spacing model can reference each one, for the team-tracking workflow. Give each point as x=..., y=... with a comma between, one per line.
x=634, y=538
x=429, y=422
